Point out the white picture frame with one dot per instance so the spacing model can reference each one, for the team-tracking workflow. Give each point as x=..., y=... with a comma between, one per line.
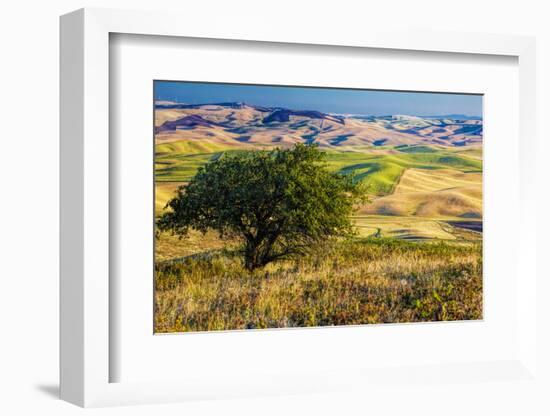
x=85, y=220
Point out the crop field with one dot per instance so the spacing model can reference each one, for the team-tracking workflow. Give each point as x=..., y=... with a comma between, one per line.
x=179, y=161
x=415, y=191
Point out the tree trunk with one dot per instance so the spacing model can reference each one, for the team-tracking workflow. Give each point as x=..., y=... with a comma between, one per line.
x=258, y=253
x=251, y=256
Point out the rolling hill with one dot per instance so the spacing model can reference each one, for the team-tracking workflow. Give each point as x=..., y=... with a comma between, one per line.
x=244, y=123
x=424, y=174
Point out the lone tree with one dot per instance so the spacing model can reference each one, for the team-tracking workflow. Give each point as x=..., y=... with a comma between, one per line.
x=279, y=203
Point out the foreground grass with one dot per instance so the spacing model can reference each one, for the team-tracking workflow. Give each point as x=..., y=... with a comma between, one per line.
x=352, y=282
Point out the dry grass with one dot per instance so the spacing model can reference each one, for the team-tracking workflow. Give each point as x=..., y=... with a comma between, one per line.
x=344, y=283
x=173, y=248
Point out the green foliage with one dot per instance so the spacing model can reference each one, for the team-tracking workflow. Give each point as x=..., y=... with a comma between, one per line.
x=279, y=203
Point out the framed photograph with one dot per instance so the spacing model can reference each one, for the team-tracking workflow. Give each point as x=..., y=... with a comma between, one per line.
x=293, y=207
x=287, y=213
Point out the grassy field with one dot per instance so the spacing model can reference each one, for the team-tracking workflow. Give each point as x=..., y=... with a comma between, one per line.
x=358, y=281
x=407, y=263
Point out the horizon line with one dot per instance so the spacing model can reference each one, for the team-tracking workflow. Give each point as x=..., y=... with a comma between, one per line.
x=221, y=103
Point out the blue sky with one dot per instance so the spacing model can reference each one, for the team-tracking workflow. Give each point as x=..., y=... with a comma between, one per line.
x=330, y=100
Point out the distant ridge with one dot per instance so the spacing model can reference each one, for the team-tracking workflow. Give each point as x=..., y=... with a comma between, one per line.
x=236, y=105
x=283, y=115
x=236, y=123
x=454, y=117
x=187, y=121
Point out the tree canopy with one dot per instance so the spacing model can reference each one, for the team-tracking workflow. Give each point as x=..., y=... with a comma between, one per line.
x=279, y=203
